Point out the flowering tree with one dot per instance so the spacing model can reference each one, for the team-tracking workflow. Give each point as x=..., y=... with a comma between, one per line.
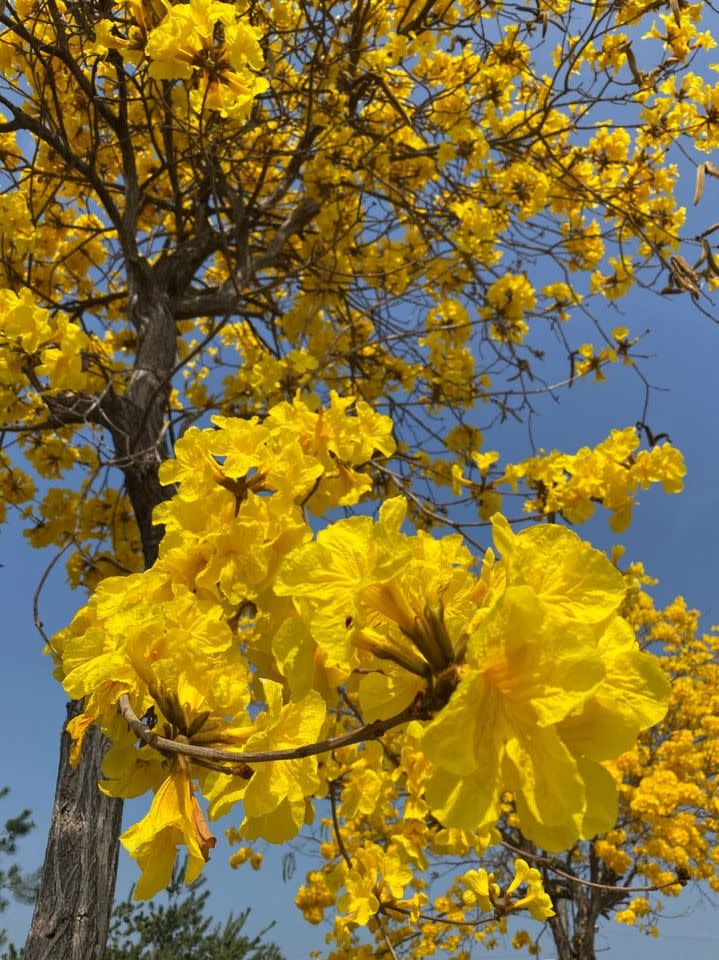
x=344, y=235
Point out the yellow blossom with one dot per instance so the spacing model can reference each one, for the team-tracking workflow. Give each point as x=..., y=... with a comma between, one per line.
x=174, y=817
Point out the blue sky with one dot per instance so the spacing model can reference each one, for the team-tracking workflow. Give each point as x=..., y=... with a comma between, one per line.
x=676, y=537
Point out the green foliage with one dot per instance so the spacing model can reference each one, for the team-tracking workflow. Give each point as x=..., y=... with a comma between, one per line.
x=14, y=881
x=181, y=929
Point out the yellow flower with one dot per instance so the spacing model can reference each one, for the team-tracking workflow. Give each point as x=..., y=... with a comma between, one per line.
x=482, y=890
x=325, y=578
x=485, y=461
x=274, y=797
x=375, y=874
x=186, y=43
x=175, y=817
x=567, y=573
x=553, y=684
x=359, y=902
x=535, y=899
x=526, y=673
x=508, y=298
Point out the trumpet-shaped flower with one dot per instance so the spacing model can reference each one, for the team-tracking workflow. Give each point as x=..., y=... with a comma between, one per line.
x=535, y=899
x=525, y=674
x=274, y=797
x=553, y=683
x=175, y=817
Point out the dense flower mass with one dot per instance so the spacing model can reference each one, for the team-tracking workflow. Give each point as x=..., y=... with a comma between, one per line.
x=207, y=42
x=249, y=633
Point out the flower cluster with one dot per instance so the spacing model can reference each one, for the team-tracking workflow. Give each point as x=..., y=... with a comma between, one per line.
x=571, y=485
x=206, y=42
x=50, y=344
x=249, y=633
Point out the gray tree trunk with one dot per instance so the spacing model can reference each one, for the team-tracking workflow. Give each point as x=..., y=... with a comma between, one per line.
x=72, y=913
x=77, y=884
x=560, y=926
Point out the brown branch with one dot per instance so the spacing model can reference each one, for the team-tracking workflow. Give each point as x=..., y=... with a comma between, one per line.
x=370, y=731
x=391, y=907
x=224, y=299
x=39, y=625
x=385, y=937
x=102, y=190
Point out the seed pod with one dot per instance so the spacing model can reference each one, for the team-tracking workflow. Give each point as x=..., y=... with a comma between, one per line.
x=711, y=262
x=632, y=63
x=197, y=724
x=684, y=276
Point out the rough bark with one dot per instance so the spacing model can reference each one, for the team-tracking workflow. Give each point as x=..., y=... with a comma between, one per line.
x=585, y=927
x=72, y=913
x=77, y=885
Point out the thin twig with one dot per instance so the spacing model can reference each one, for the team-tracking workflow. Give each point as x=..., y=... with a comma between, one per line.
x=549, y=864
x=39, y=626
x=386, y=939
x=388, y=908
x=336, y=824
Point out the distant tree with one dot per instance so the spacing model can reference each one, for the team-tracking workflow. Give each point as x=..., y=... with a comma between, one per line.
x=14, y=881
x=182, y=929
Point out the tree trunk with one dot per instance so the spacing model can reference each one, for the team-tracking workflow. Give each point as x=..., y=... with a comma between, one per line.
x=585, y=928
x=559, y=924
x=72, y=913
x=77, y=884
x=574, y=925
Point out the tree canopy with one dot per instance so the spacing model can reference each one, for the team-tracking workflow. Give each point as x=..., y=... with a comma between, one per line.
x=274, y=274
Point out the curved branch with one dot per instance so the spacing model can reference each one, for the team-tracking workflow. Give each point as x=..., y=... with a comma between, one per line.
x=370, y=731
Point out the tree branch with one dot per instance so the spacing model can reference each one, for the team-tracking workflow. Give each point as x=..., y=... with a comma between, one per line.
x=370, y=731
